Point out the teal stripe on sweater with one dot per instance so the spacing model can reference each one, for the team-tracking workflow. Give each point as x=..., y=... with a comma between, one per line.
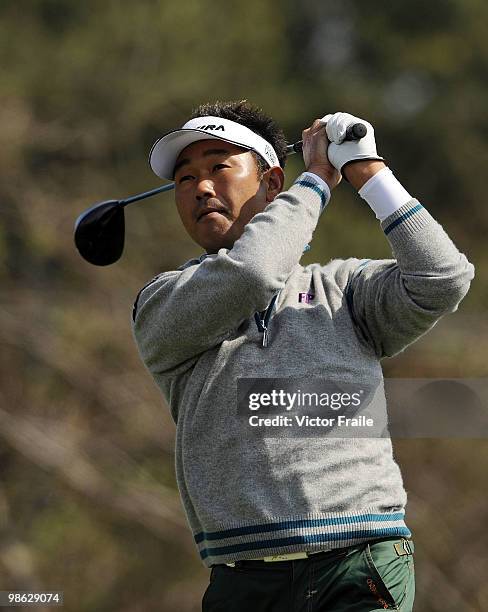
x=317, y=189
x=306, y=539
x=300, y=524
x=401, y=219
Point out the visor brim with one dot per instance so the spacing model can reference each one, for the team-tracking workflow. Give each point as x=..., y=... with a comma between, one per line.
x=166, y=150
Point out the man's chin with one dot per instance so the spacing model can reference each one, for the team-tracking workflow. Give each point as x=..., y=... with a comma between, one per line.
x=212, y=244
x=215, y=246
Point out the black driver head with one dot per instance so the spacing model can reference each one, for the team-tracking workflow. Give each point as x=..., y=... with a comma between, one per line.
x=100, y=233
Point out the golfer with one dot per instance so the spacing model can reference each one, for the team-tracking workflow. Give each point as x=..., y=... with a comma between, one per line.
x=288, y=523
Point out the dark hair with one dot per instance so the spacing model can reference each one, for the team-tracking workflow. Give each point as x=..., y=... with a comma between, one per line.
x=241, y=111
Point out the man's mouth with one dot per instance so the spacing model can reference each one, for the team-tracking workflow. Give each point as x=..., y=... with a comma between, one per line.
x=211, y=211
x=211, y=215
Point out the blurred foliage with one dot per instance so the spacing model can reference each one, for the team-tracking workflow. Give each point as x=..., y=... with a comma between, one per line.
x=88, y=500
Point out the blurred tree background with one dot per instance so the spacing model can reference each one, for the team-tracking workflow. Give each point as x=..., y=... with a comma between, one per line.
x=88, y=501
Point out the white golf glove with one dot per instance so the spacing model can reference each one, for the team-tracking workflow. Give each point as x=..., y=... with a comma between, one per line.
x=341, y=152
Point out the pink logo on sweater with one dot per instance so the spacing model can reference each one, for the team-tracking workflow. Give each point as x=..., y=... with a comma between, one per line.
x=306, y=297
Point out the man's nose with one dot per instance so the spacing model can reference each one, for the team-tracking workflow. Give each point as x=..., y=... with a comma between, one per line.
x=205, y=189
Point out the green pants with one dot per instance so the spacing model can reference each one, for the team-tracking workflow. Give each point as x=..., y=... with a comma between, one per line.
x=378, y=575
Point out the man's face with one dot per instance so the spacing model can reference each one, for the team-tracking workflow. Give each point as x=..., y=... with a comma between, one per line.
x=217, y=174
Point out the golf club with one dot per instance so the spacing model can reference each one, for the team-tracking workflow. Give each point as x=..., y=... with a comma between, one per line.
x=100, y=230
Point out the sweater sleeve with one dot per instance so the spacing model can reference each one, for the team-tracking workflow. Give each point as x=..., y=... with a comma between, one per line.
x=182, y=313
x=393, y=302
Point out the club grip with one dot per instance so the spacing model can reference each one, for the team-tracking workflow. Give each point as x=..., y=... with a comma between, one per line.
x=356, y=131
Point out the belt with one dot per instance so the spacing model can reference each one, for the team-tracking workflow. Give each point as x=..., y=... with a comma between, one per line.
x=401, y=548
x=285, y=557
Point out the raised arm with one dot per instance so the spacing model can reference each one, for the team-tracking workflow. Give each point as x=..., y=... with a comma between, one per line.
x=395, y=301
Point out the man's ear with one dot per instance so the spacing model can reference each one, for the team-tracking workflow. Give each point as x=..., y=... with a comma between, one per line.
x=275, y=179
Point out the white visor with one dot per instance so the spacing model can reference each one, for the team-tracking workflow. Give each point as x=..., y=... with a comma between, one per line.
x=165, y=151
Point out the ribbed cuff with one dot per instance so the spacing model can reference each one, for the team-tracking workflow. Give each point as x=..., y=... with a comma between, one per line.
x=318, y=178
x=401, y=225
x=315, y=183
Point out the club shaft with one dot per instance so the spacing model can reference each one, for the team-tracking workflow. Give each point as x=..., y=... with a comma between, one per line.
x=147, y=194
x=355, y=132
x=170, y=186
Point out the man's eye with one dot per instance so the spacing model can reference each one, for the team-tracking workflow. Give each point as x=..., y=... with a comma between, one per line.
x=218, y=166
x=184, y=178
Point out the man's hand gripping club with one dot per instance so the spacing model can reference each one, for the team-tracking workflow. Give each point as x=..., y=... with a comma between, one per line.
x=326, y=154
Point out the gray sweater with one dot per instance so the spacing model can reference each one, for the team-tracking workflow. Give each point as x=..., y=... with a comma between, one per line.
x=248, y=496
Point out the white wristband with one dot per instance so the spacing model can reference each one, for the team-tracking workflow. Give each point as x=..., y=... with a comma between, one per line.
x=384, y=193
